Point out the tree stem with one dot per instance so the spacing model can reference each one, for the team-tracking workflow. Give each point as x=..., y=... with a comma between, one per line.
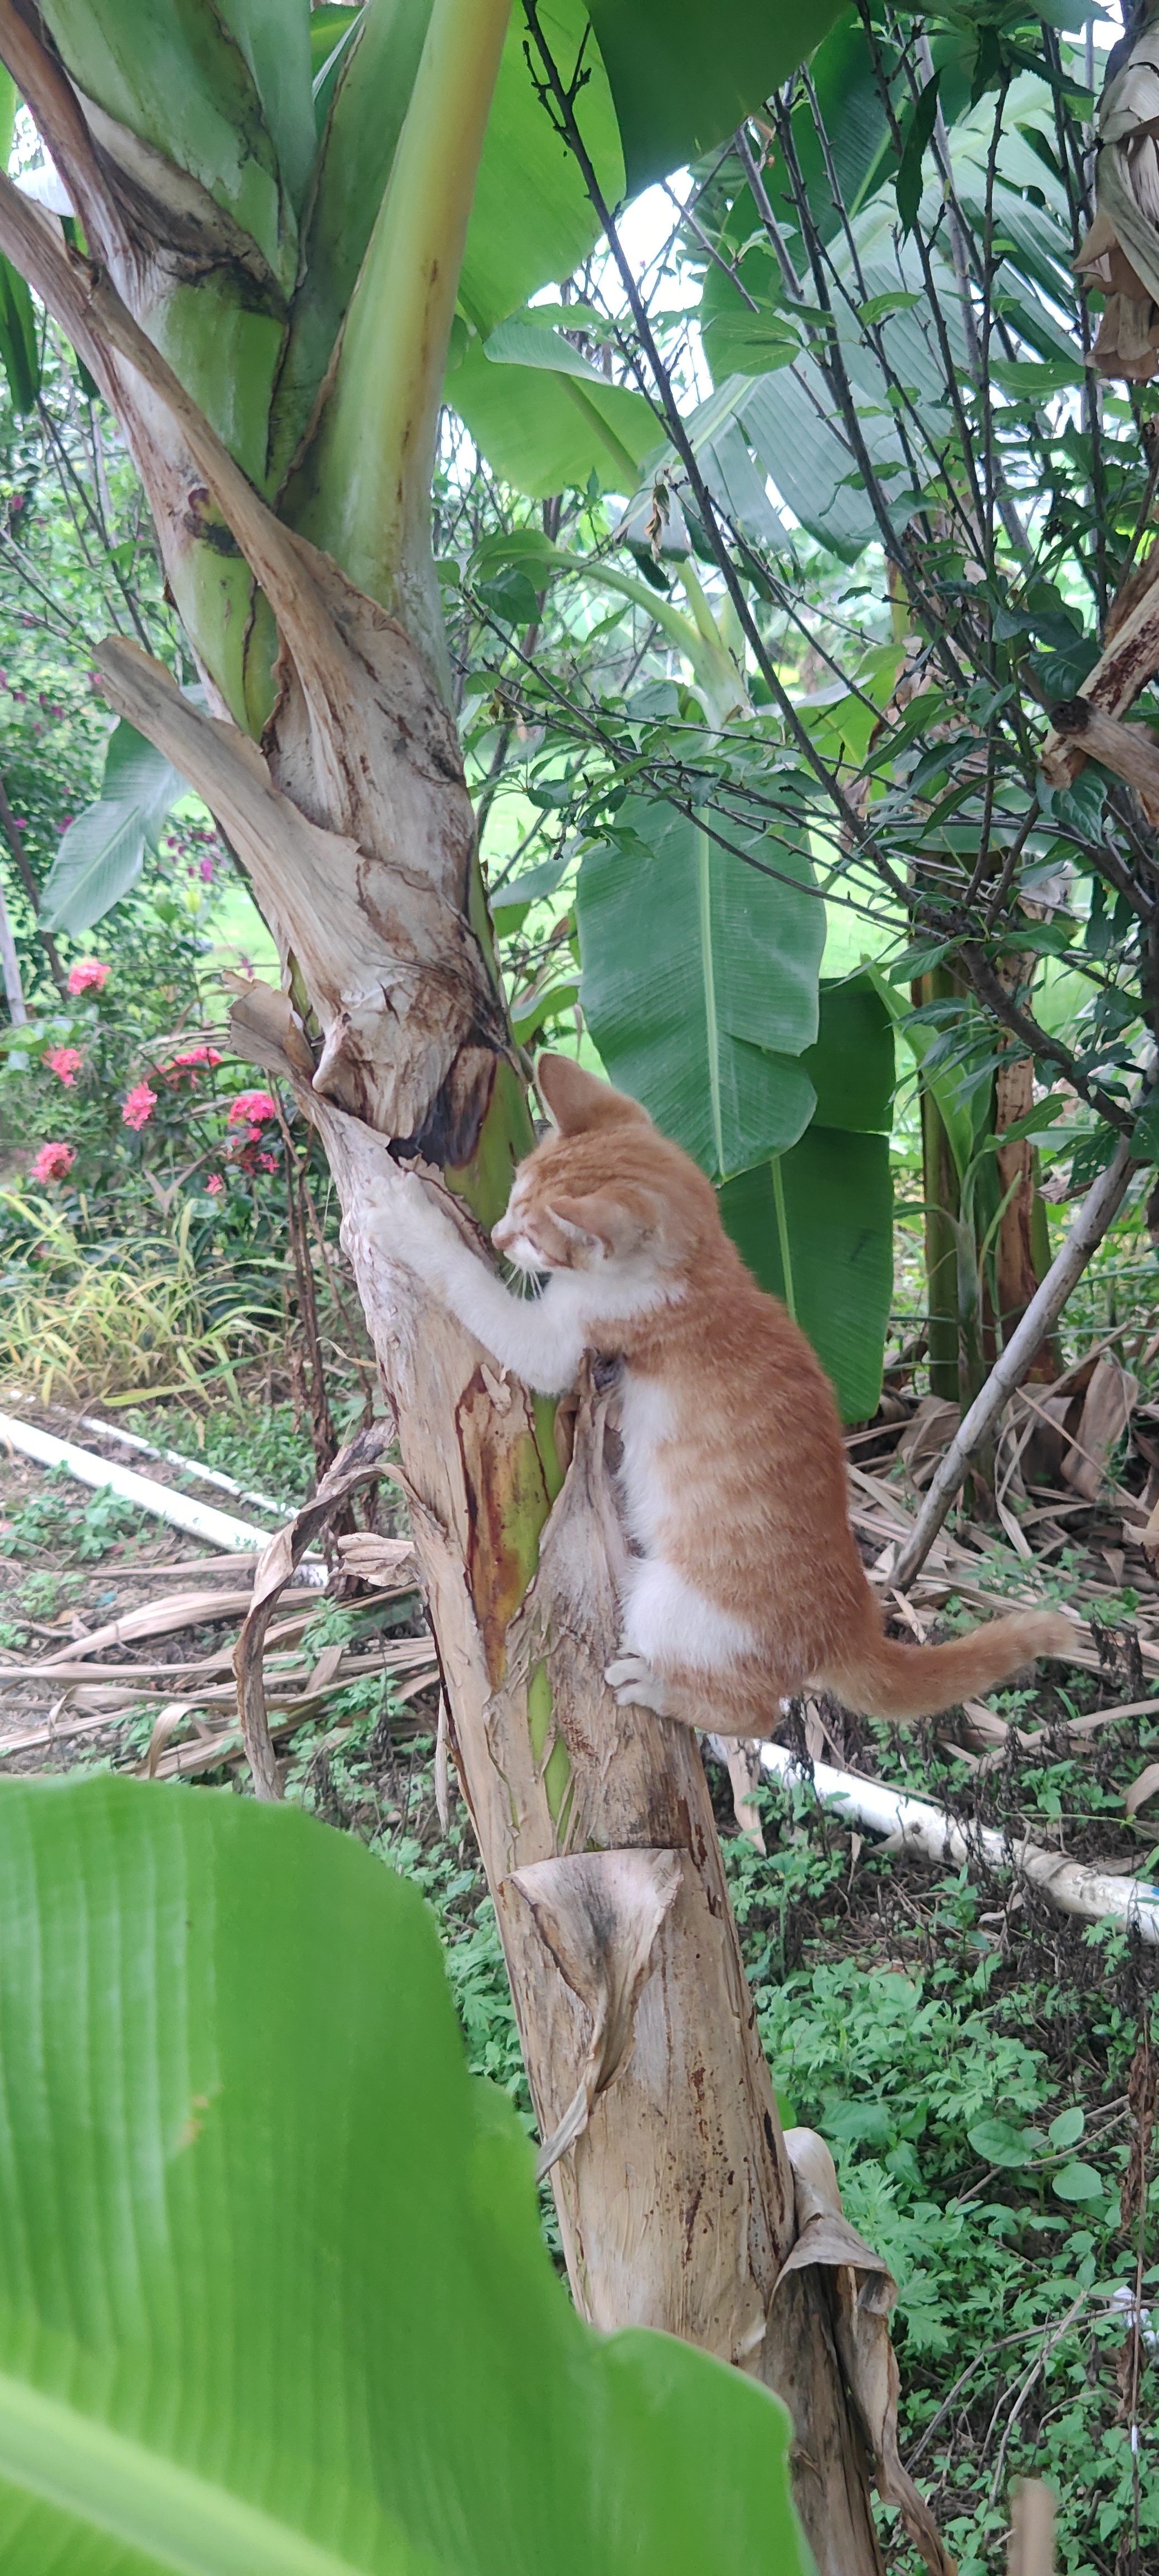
x=375, y=449
x=1100, y=1206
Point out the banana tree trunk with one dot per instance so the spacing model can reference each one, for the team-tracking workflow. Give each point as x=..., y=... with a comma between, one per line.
x=675, y=2193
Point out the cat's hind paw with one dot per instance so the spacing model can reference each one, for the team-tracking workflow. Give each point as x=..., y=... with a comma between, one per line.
x=636, y=1685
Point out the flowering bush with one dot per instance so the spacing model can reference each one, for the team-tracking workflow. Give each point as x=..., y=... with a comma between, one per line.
x=66, y=1063
x=90, y=975
x=53, y=1162
x=139, y=1106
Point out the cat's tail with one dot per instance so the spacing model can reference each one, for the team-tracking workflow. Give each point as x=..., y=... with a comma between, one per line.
x=880, y=1678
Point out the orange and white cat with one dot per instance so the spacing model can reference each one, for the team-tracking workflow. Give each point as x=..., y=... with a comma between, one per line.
x=744, y=1584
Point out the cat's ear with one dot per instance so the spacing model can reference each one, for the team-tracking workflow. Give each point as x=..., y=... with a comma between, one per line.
x=602, y=1224
x=578, y=1099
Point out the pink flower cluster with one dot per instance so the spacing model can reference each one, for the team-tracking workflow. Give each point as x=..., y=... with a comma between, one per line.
x=53, y=1161
x=88, y=976
x=215, y=1185
x=250, y=1112
x=65, y=1063
x=252, y=1108
x=139, y=1106
x=189, y=1060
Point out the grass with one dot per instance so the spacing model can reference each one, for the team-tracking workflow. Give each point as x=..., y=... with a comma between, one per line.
x=120, y=1325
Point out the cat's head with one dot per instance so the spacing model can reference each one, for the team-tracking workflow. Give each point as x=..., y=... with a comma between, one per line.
x=603, y=1192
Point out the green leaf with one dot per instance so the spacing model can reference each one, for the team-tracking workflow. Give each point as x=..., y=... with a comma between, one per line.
x=787, y=418
x=852, y=1067
x=881, y=308
x=101, y=855
x=1077, y=2182
x=331, y=28
x=1068, y=2128
x=908, y=185
x=510, y=901
x=99, y=858
x=275, y=38
x=524, y=341
x=738, y=341
x=1035, y=380
x=529, y=1015
x=137, y=773
x=999, y=2143
x=848, y=93
x=532, y=220
x=700, y=981
x=18, y=343
x=945, y=1086
x=831, y=1207
x=273, y=2297
x=683, y=76
x=544, y=431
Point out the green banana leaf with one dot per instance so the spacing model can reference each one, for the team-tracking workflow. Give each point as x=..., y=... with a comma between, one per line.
x=836, y=1212
x=816, y=1227
x=101, y=854
x=700, y=982
x=273, y=2298
x=19, y=348
x=532, y=219
x=546, y=419
x=683, y=75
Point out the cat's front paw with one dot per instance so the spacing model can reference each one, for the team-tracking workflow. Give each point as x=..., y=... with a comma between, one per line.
x=636, y=1685
x=415, y=1228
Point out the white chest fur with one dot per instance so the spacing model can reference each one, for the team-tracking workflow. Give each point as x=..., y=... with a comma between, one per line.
x=646, y=1423
x=667, y=1619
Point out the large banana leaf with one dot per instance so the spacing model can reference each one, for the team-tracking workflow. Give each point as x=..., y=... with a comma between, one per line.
x=835, y=1210
x=273, y=2300
x=700, y=982
x=684, y=75
x=101, y=854
x=816, y=1228
x=546, y=419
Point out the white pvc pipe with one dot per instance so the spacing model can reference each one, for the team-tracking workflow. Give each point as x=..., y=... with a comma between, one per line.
x=928, y=1829
x=176, y=1458
x=201, y=1519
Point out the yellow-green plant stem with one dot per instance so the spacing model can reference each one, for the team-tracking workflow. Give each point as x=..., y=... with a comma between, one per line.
x=375, y=447
x=716, y=674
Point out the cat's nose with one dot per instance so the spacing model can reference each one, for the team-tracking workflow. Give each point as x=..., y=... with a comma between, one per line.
x=503, y=1234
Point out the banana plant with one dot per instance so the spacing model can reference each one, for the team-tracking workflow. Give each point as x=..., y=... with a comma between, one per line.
x=284, y=244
